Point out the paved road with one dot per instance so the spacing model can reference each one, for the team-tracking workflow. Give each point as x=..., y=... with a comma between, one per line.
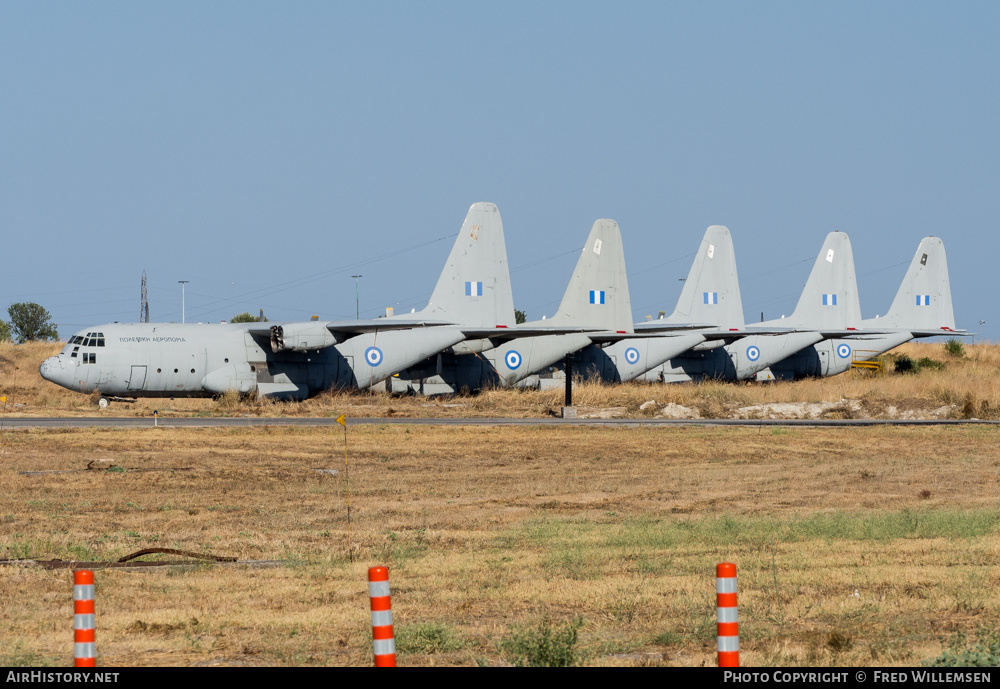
x=221, y=422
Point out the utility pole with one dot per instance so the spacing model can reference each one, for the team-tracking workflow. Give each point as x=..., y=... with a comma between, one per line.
x=981, y=324
x=357, y=298
x=144, y=302
x=183, y=282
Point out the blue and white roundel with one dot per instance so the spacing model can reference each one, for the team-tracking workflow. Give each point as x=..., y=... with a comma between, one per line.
x=373, y=355
x=512, y=359
x=753, y=353
x=632, y=355
x=843, y=351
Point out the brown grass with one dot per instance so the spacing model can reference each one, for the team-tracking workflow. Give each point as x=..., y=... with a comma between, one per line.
x=966, y=387
x=855, y=546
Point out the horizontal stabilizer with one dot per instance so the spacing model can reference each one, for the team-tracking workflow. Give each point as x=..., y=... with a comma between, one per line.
x=941, y=332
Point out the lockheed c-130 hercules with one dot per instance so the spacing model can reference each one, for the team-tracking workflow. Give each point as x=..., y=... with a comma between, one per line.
x=293, y=360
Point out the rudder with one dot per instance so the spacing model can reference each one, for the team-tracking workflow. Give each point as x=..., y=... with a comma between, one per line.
x=597, y=294
x=923, y=301
x=711, y=292
x=830, y=298
x=474, y=287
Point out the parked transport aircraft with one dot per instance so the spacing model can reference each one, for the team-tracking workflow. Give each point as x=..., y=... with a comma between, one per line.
x=755, y=347
x=596, y=305
x=922, y=308
x=294, y=360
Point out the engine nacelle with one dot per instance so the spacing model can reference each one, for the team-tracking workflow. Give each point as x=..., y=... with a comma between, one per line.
x=236, y=377
x=300, y=337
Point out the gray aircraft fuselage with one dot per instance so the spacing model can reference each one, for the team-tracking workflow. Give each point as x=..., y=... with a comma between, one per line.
x=203, y=360
x=738, y=360
x=830, y=357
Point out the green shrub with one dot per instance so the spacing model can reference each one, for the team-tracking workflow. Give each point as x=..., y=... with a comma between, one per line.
x=544, y=645
x=954, y=347
x=927, y=362
x=903, y=363
x=983, y=651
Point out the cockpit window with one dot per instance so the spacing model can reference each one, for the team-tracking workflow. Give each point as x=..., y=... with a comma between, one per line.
x=89, y=340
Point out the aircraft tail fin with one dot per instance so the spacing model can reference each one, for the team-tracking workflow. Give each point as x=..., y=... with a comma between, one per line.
x=597, y=294
x=830, y=297
x=711, y=292
x=923, y=301
x=474, y=287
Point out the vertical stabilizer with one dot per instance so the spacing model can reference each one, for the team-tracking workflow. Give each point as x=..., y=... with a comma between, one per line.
x=597, y=295
x=829, y=300
x=923, y=301
x=711, y=291
x=474, y=287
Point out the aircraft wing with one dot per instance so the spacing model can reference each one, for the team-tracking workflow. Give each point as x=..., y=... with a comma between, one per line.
x=853, y=333
x=381, y=325
x=608, y=336
x=503, y=333
x=827, y=333
x=303, y=336
x=663, y=325
x=349, y=328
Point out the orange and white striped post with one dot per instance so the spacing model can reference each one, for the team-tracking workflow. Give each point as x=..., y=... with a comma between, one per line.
x=728, y=638
x=84, y=648
x=383, y=640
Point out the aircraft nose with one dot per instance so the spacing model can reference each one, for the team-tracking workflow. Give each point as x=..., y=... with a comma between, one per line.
x=47, y=367
x=55, y=369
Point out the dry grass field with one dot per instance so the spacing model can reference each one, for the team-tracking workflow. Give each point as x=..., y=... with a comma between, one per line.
x=855, y=546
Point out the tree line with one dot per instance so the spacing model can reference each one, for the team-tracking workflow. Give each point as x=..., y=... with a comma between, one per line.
x=28, y=322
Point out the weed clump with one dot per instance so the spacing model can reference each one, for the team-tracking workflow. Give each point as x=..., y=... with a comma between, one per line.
x=544, y=645
x=838, y=641
x=954, y=347
x=429, y=637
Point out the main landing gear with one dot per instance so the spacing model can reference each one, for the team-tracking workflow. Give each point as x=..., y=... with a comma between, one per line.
x=103, y=402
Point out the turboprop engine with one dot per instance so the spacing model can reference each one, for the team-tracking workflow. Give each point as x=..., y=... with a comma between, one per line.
x=300, y=337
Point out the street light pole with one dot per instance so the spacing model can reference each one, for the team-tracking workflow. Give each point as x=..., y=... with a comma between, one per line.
x=183, y=282
x=981, y=324
x=357, y=298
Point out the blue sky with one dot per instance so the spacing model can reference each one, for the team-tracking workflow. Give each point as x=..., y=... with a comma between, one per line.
x=268, y=151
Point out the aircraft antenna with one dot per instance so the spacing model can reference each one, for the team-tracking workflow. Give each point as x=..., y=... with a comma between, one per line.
x=144, y=303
